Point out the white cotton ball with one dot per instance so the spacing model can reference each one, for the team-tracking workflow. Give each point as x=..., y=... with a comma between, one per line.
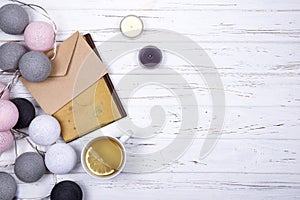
x=44, y=130
x=61, y=158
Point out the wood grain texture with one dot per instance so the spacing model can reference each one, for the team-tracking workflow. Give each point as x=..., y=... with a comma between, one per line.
x=254, y=45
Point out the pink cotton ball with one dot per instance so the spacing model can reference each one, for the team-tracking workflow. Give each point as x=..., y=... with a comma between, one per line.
x=5, y=95
x=6, y=141
x=39, y=36
x=9, y=115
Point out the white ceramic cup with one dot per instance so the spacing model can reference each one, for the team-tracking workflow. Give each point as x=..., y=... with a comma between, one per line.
x=120, y=142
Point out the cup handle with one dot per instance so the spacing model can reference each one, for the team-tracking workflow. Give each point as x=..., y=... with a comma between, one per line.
x=126, y=137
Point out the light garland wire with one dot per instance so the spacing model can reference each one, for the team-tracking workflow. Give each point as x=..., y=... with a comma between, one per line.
x=16, y=133
x=45, y=14
x=11, y=83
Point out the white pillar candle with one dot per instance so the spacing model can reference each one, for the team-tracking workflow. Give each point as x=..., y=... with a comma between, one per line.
x=131, y=26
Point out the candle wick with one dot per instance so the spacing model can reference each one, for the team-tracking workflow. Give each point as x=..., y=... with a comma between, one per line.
x=150, y=56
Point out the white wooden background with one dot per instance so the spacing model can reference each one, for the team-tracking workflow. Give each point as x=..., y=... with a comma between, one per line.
x=255, y=45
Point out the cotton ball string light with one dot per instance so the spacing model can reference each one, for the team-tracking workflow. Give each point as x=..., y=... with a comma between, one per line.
x=35, y=66
x=6, y=93
x=9, y=115
x=29, y=167
x=8, y=186
x=66, y=190
x=6, y=141
x=13, y=19
x=39, y=36
x=10, y=54
x=61, y=158
x=26, y=112
x=44, y=130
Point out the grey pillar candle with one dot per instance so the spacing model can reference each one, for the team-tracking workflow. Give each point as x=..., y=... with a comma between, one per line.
x=150, y=56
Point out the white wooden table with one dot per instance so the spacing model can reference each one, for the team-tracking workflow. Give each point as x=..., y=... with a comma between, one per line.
x=256, y=48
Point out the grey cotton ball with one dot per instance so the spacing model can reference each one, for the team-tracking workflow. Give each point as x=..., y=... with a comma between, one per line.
x=10, y=54
x=35, y=66
x=8, y=186
x=13, y=19
x=29, y=167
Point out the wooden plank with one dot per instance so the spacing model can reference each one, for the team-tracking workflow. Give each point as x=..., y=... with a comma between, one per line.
x=175, y=186
x=227, y=26
x=275, y=156
x=169, y=5
x=229, y=58
x=254, y=45
x=271, y=143
x=240, y=90
x=193, y=186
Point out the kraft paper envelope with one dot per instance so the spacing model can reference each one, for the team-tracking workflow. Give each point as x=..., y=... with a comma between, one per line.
x=75, y=68
x=97, y=106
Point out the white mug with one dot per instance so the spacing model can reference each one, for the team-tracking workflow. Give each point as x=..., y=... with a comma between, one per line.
x=120, y=142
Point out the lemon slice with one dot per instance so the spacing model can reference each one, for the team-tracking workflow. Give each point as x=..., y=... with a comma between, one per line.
x=97, y=165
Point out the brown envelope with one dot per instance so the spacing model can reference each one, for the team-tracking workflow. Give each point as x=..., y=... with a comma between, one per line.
x=75, y=68
x=97, y=106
